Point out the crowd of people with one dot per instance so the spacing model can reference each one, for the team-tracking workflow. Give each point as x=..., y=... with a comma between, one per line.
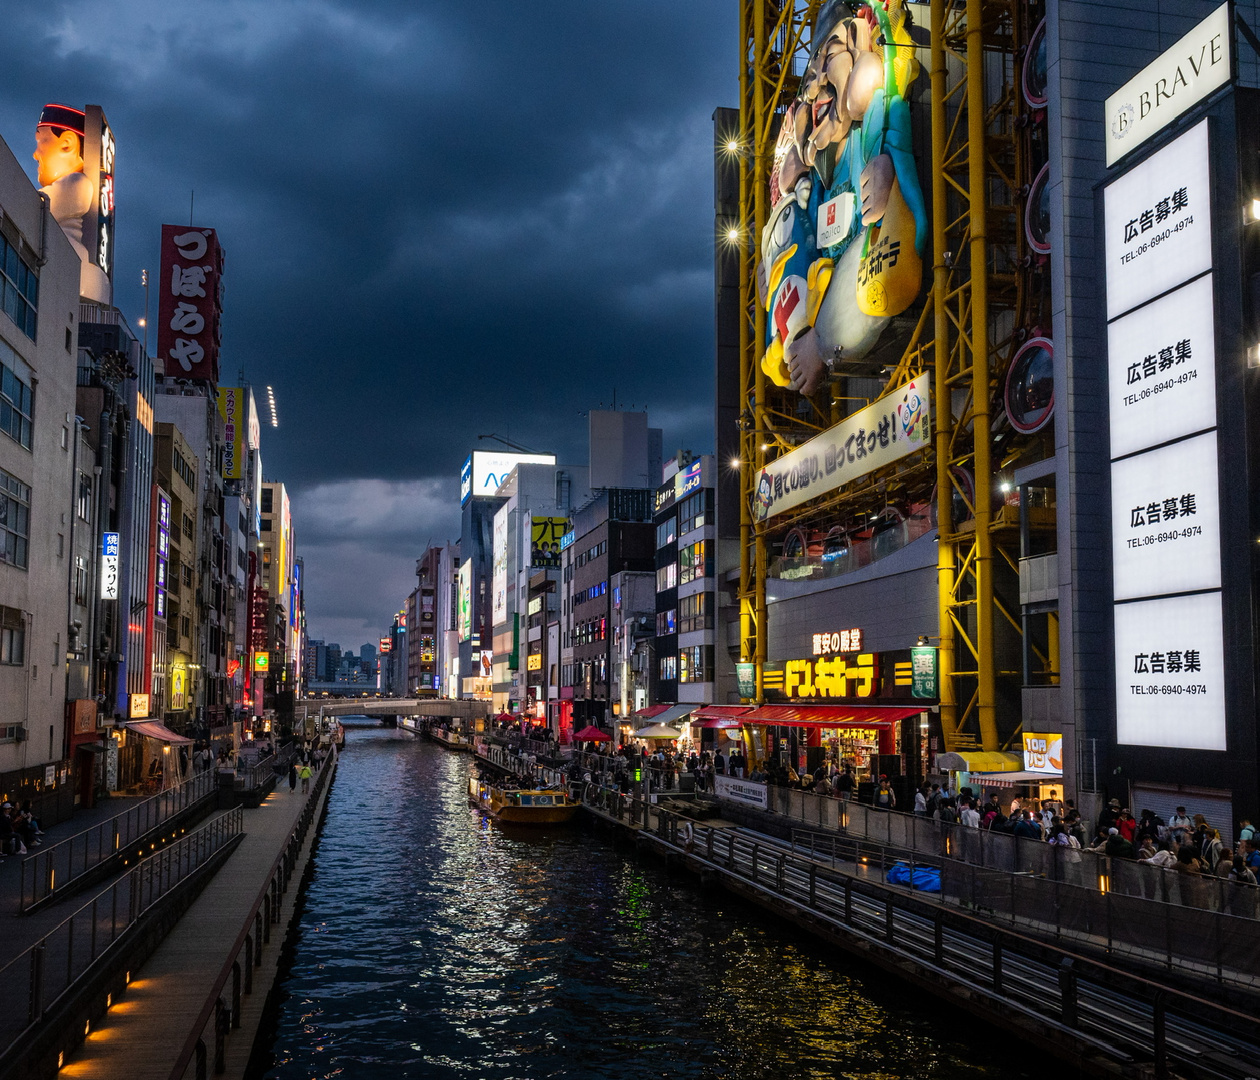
x=19, y=829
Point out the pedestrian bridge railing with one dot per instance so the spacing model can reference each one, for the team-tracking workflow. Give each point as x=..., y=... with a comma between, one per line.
x=57, y=869
x=37, y=979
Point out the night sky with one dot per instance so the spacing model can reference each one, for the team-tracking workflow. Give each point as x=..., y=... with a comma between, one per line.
x=439, y=219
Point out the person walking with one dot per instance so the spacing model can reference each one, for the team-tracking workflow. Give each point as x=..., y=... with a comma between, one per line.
x=305, y=774
x=293, y=776
x=884, y=797
x=844, y=785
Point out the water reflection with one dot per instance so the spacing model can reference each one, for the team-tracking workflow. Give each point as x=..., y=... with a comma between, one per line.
x=436, y=944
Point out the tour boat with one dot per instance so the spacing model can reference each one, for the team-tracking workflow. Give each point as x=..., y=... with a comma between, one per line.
x=452, y=740
x=521, y=806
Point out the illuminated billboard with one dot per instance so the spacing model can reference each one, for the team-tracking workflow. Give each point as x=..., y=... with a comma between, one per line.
x=545, y=536
x=464, y=599
x=499, y=575
x=232, y=409
x=485, y=470
x=75, y=151
x=190, y=291
x=841, y=252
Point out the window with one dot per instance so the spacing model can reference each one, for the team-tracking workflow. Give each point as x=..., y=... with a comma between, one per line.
x=12, y=637
x=188, y=526
x=665, y=532
x=80, y=581
x=666, y=622
x=694, y=561
x=184, y=470
x=15, y=519
x=265, y=525
x=694, y=613
x=667, y=577
x=17, y=399
x=266, y=500
x=691, y=513
x=668, y=667
x=19, y=285
x=83, y=504
x=695, y=664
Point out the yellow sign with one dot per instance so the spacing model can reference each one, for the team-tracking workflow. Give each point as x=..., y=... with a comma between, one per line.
x=179, y=685
x=830, y=677
x=139, y=709
x=262, y=661
x=1043, y=753
x=232, y=409
x=534, y=663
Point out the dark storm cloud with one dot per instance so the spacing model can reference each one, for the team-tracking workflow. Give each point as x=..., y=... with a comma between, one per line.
x=440, y=220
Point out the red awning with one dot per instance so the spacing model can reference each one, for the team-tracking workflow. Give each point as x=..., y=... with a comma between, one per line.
x=153, y=730
x=721, y=712
x=653, y=710
x=829, y=716
x=590, y=733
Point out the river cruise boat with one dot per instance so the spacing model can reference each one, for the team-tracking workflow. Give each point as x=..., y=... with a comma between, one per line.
x=452, y=740
x=521, y=806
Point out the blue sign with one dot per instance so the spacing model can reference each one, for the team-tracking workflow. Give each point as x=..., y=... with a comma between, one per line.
x=109, y=543
x=465, y=481
x=567, y=540
x=689, y=480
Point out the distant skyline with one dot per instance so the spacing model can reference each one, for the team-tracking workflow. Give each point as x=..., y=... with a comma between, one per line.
x=425, y=238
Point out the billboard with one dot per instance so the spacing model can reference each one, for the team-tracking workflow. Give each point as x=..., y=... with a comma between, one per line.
x=109, y=566
x=842, y=250
x=232, y=409
x=1177, y=80
x=545, y=536
x=190, y=295
x=885, y=431
x=499, y=574
x=464, y=601
x=1043, y=753
x=75, y=151
x=485, y=470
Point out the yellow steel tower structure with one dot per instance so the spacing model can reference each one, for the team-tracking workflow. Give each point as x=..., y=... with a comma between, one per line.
x=983, y=299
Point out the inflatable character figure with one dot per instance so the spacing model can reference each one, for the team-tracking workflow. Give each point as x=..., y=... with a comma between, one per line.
x=842, y=251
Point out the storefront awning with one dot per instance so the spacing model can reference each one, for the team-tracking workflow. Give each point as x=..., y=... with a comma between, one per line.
x=979, y=761
x=707, y=713
x=151, y=729
x=829, y=716
x=652, y=711
x=665, y=714
x=1005, y=779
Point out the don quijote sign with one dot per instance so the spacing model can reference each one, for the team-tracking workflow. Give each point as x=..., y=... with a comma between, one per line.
x=190, y=305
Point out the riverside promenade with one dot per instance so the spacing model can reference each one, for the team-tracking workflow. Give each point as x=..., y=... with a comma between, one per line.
x=142, y=1036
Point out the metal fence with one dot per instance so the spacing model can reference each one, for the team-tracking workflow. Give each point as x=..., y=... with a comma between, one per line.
x=56, y=868
x=35, y=979
x=219, y=1017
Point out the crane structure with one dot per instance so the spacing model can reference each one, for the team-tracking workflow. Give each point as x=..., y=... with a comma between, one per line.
x=988, y=296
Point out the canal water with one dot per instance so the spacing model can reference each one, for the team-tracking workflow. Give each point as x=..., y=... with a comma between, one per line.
x=437, y=944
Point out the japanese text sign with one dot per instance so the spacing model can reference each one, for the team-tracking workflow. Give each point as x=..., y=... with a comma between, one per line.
x=109, y=566
x=896, y=425
x=190, y=289
x=1043, y=753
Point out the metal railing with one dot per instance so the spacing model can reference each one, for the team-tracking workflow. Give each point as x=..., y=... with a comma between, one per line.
x=56, y=868
x=1117, y=1013
x=219, y=1017
x=37, y=978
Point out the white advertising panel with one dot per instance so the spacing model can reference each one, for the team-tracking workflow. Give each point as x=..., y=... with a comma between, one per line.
x=1165, y=520
x=1178, y=79
x=1158, y=223
x=896, y=425
x=490, y=469
x=109, y=566
x=1170, y=673
x=747, y=792
x=498, y=578
x=1161, y=362
x=1043, y=753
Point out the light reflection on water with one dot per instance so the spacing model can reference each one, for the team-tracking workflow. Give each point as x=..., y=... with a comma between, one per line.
x=436, y=944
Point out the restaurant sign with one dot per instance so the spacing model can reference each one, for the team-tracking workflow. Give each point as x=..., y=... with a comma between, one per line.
x=853, y=678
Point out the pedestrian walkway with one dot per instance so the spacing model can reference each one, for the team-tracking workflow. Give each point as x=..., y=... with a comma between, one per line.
x=142, y=1035
x=21, y=932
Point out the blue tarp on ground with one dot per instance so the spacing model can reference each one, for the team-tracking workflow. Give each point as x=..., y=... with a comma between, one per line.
x=923, y=878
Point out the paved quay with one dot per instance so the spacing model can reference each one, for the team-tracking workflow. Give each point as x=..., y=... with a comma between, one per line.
x=141, y=1036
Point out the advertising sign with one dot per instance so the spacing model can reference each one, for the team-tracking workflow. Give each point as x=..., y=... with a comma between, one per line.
x=1043, y=753
x=688, y=480
x=262, y=661
x=75, y=151
x=923, y=672
x=1165, y=520
x=841, y=253
x=109, y=566
x=499, y=575
x=854, y=679
x=1177, y=80
x=746, y=679
x=533, y=662
x=386, y=644
x=895, y=426
x=163, y=548
x=1170, y=672
x=545, y=536
x=190, y=292
x=464, y=620
x=741, y=791
x=232, y=409
x=138, y=707
x=485, y=470
x=1161, y=363
x=1158, y=223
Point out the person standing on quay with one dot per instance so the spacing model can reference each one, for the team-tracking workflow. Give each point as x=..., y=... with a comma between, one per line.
x=292, y=776
x=305, y=774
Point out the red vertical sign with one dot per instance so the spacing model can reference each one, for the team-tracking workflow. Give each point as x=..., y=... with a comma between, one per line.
x=190, y=291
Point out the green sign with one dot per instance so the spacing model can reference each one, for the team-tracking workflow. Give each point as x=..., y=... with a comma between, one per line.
x=746, y=677
x=923, y=672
